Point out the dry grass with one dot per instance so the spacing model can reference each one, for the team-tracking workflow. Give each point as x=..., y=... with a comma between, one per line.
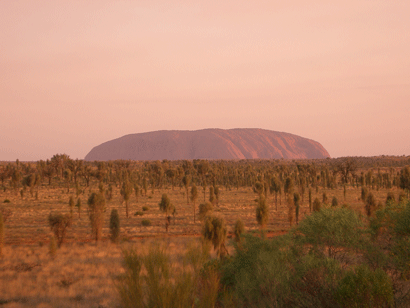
x=81, y=273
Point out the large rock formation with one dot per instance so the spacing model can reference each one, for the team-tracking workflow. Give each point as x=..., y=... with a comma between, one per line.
x=240, y=143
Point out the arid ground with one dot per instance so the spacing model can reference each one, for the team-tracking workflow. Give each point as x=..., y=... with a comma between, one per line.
x=82, y=273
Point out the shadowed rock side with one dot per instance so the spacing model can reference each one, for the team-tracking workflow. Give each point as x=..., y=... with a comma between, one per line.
x=243, y=143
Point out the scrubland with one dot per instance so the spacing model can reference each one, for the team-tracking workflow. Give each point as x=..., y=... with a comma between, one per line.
x=85, y=273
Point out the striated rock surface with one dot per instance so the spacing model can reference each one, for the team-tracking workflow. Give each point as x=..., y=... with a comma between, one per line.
x=239, y=143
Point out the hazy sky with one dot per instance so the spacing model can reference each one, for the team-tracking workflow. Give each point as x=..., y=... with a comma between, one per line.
x=74, y=74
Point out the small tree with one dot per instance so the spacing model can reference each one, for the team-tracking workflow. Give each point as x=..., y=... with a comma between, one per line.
x=239, y=229
x=211, y=194
x=145, y=185
x=71, y=204
x=59, y=224
x=288, y=188
x=165, y=206
x=109, y=192
x=316, y=205
x=67, y=176
x=194, y=196
x=1, y=233
x=214, y=230
x=137, y=191
x=204, y=210
x=275, y=187
x=370, y=204
x=290, y=205
x=262, y=215
x=96, y=206
x=78, y=205
x=204, y=188
x=126, y=191
x=216, y=192
x=258, y=188
x=390, y=199
x=101, y=188
x=364, y=194
x=324, y=198
x=344, y=192
x=296, y=202
x=114, y=225
x=186, y=180
x=404, y=180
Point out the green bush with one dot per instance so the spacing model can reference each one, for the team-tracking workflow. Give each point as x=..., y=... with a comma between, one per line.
x=331, y=232
x=138, y=213
x=362, y=287
x=146, y=222
x=6, y=201
x=270, y=273
x=145, y=208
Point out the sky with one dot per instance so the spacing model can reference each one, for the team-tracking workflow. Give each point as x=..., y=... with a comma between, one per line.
x=75, y=74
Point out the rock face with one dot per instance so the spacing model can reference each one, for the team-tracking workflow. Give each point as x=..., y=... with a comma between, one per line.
x=240, y=143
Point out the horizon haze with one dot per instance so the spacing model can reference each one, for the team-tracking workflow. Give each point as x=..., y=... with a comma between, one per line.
x=76, y=74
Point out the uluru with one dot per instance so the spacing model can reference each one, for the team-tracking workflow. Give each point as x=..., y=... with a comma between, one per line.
x=238, y=143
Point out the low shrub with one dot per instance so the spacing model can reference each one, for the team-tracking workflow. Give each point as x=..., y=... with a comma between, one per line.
x=59, y=224
x=146, y=222
x=138, y=213
x=145, y=208
x=362, y=287
x=6, y=201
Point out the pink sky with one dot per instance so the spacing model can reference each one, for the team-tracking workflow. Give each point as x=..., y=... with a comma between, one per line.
x=75, y=74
